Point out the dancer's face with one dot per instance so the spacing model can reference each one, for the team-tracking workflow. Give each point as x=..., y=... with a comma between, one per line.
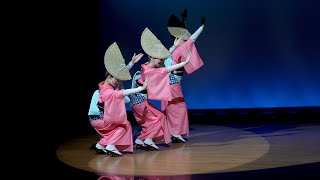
x=113, y=81
x=157, y=62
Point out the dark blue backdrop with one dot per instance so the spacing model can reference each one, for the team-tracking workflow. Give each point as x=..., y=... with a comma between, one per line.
x=263, y=53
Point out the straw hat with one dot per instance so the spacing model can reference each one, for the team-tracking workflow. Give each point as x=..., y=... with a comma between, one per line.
x=177, y=28
x=115, y=63
x=153, y=46
x=179, y=32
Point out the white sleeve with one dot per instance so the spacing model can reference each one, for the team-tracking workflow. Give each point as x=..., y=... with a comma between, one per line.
x=172, y=49
x=126, y=99
x=129, y=66
x=132, y=91
x=176, y=66
x=196, y=34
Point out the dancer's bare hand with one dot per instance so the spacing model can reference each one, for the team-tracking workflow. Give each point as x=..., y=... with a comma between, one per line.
x=146, y=82
x=177, y=42
x=136, y=58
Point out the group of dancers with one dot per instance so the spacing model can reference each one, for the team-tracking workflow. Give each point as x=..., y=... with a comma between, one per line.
x=159, y=79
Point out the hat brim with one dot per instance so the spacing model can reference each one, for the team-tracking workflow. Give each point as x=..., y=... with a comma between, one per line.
x=179, y=32
x=153, y=46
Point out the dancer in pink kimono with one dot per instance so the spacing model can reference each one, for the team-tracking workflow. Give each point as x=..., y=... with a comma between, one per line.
x=111, y=123
x=151, y=119
x=176, y=109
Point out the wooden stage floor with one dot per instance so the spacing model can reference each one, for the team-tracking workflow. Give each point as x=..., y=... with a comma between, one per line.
x=221, y=151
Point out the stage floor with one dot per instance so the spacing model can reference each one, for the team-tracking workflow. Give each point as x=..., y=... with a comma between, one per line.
x=224, y=151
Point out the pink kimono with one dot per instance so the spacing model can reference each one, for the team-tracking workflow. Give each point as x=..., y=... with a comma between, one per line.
x=114, y=128
x=158, y=87
x=152, y=121
x=181, y=52
x=176, y=110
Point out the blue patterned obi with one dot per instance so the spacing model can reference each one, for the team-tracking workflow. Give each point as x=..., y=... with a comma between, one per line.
x=137, y=98
x=173, y=79
x=96, y=117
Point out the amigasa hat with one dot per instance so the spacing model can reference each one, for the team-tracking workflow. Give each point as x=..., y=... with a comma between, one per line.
x=179, y=32
x=153, y=46
x=177, y=28
x=115, y=63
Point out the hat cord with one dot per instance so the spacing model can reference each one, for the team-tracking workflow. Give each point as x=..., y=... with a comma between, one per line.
x=185, y=32
x=122, y=66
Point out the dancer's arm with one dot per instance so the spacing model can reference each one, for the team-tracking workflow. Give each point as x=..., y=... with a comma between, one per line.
x=135, y=59
x=175, y=44
x=180, y=65
x=138, y=89
x=196, y=34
